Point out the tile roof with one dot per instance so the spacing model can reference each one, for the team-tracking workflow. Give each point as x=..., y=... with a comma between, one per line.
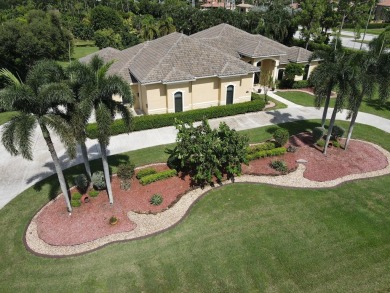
x=212, y=52
x=107, y=54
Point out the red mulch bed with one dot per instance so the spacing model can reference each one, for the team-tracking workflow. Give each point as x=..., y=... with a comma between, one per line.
x=91, y=220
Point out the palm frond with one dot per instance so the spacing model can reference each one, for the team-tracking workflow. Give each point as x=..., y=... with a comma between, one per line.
x=44, y=72
x=17, y=135
x=103, y=120
x=10, y=77
x=63, y=130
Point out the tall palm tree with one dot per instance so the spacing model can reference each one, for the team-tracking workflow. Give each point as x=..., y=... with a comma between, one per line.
x=370, y=70
x=325, y=76
x=79, y=112
x=100, y=90
x=38, y=102
x=149, y=29
x=165, y=26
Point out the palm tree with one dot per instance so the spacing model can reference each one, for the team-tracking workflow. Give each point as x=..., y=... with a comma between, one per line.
x=165, y=26
x=38, y=102
x=325, y=76
x=100, y=90
x=79, y=112
x=149, y=29
x=370, y=70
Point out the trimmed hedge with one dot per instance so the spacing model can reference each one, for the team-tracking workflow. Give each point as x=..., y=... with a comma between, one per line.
x=162, y=120
x=158, y=176
x=300, y=84
x=267, y=153
x=145, y=172
x=370, y=25
x=266, y=146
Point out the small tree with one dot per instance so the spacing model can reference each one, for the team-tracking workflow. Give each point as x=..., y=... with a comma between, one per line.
x=203, y=153
x=267, y=81
x=292, y=70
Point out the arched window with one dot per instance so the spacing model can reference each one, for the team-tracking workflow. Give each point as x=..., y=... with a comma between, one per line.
x=178, y=102
x=229, y=95
x=280, y=74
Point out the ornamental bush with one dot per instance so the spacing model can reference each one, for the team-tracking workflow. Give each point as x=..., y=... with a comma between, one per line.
x=158, y=176
x=261, y=147
x=98, y=180
x=125, y=172
x=204, y=153
x=156, y=199
x=93, y=193
x=281, y=136
x=318, y=133
x=76, y=196
x=145, y=172
x=337, y=132
x=279, y=165
x=266, y=153
x=82, y=183
x=75, y=203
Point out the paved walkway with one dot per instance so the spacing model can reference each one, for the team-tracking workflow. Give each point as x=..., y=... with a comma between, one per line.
x=17, y=174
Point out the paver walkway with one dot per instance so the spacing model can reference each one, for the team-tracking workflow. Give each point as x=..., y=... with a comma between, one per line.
x=17, y=174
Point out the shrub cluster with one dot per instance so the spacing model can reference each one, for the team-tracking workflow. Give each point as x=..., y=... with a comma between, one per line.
x=156, y=199
x=279, y=165
x=93, y=193
x=76, y=196
x=162, y=120
x=281, y=136
x=318, y=133
x=158, y=176
x=75, y=203
x=300, y=84
x=98, y=180
x=125, y=172
x=256, y=97
x=370, y=25
x=145, y=172
x=82, y=183
x=261, y=147
x=337, y=132
x=266, y=153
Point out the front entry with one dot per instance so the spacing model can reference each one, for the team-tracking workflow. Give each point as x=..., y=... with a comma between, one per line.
x=229, y=95
x=178, y=102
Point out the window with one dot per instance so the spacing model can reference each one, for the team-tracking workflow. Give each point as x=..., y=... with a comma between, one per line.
x=229, y=95
x=178, y=102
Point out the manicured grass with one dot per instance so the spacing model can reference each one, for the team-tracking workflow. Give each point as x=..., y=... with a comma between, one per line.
x=6, y=116
x=81, y=49
x=369, y=106
x=239, y=238
x=373, y=31
x=278, y=105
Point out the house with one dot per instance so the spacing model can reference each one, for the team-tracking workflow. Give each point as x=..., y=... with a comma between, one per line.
x=382, y=11
x=217, y=66
x=244, y=7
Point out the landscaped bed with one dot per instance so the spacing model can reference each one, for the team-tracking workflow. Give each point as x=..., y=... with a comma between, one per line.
x=91, y=221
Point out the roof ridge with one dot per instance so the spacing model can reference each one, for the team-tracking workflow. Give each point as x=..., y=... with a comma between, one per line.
x=125, y=65
x=170, y=49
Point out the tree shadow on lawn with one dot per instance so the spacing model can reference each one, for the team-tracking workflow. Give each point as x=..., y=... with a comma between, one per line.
x=295, y=127
x=377, y=105
x=71, y=173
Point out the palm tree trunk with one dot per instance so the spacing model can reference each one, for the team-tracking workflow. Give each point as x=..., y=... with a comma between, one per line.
x=331, y=123
x=106, y=172
x=84, y=153
x=57, y=165
x=350, y=130
x=326, y=106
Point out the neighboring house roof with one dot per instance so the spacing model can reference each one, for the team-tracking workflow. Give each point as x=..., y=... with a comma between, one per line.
x=244, y=5
x=176, y=57
x=385, y=3
x=296, y=54
x=106, y=54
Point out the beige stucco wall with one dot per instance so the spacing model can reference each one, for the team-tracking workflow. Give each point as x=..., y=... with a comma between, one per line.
x=201, y=93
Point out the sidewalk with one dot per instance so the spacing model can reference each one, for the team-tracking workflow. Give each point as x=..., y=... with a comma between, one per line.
x=18, y=174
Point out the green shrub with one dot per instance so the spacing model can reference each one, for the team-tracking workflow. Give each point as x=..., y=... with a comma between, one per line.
x=279, y=165
x=93, y=193
x=76, y=196
x=337, y=132
x=300, y=84
x=158, y=176
x=281, y=136
x=162, y=120
x=266, y=153
x=292, y=149
x=82, y=183
x=321, y=143
x=336, y=144
x=113, y=220
x=261, y=147
x=125, y=171
x=318, y=133
x=98, y=180
x=145, y=172
x=256, y=97
x=156, y=199
x=75, y=203
x=374, y=25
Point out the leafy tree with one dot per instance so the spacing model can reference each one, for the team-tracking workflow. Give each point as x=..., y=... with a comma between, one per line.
x=292, y=70
x=37, y=102
x=100, y=90
x=103, y=17
x=108, y=38
x=38, y=36
x=165, y=26
x=204, y=153
x=149, y=30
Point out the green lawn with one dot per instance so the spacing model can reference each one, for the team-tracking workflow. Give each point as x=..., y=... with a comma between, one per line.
x=81, y=49
x=239, y=238
x=6, y=116
x=369, y=106
x=373, y=31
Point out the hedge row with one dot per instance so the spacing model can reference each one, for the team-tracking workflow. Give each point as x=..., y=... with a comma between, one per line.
x=370, y=25
x=162, y=120
x=266, y=146
x=158, y=176
x=267, y=153
x=145, y=172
